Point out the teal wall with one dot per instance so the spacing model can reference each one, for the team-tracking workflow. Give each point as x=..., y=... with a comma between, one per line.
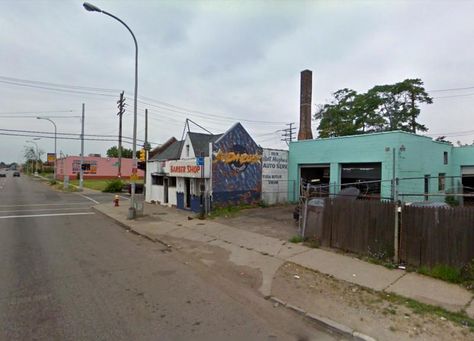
x=419, y=156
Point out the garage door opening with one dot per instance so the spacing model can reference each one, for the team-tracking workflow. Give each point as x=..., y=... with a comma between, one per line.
x=468, y=188
x=364, y=176
x=314, y=180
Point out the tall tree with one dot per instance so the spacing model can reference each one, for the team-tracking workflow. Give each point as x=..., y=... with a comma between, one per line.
x=349, y=113
x=113, y=152
x=382, y=108
x=398, y=104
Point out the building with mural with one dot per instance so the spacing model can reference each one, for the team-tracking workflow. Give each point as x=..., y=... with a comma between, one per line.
x=205, y=170
x=95, y=167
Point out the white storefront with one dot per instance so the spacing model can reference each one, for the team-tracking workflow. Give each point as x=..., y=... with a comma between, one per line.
x=274, y=176
x=178, y=182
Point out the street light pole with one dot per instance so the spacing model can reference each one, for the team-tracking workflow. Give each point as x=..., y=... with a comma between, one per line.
x=55, y=141
x=91, y=8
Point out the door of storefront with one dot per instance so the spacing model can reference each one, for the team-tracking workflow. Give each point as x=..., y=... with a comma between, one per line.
x=187, y=192
x=165, y=190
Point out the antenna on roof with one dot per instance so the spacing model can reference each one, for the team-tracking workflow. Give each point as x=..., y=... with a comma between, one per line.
x=186, y=124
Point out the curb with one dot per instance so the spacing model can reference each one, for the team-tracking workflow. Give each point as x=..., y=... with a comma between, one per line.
x=326, y=323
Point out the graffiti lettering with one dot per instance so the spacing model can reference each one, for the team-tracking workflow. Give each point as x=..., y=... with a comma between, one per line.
x=235, y=157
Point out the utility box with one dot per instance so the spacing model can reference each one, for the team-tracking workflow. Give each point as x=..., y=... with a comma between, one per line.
x=139, y=204
x=313, y=221
x=66, y=182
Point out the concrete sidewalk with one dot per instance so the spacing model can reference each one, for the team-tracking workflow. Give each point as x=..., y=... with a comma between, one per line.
x=268, y=254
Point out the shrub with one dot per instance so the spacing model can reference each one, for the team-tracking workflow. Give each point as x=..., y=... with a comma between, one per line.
x=296, y=239
x=113, y=186
x=445, y=272
x=451, y=200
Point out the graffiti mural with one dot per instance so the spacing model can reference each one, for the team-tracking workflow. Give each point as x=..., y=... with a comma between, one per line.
x=236, y=168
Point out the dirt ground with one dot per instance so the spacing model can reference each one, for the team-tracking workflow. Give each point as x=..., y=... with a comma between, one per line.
x=364, y=310
x=275, y=221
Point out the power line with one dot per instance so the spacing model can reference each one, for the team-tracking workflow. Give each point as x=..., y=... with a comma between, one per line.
x=210, y=116
x=57, y=89
x=451, y=96
x=47, y=134
x=56, y=85
x=452, y=89
x=95, y=91
x=35, y=112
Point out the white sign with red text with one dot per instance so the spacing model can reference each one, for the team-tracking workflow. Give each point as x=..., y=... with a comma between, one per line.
x=187, y=168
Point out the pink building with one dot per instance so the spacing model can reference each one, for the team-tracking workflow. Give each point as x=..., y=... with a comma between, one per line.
x=94, y=167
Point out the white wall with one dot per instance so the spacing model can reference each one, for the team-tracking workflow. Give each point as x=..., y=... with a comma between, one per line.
x=149, y=191
x=187, y=142
x=274, y=176
x=172, y=200
x=180, y=185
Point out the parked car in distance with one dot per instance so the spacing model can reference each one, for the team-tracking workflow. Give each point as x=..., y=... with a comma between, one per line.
x=3, y=175
x=16, y=173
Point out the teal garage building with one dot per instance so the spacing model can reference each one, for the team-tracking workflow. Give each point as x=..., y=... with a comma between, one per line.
x=425, y=169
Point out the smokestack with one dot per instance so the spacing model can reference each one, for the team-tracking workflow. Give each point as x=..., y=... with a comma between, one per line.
x=305, y=132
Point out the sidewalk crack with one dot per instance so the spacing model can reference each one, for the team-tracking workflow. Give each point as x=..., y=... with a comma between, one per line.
x=395, y=281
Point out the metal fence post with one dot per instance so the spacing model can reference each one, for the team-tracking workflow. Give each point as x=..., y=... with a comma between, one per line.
x=396, y=234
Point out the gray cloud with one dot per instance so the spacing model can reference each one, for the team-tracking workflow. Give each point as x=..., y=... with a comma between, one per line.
x=235, y=59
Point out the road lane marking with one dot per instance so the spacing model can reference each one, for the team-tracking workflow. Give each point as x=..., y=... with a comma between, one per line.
x=85, y=196
x=46, y=209
x=45, y=215
x=26, y=205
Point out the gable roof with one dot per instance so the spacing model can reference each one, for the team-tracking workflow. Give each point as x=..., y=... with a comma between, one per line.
x=200, y=142
x=172, y=152
x=159, y=149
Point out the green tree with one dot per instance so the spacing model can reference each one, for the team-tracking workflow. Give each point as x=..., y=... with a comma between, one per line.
x=382, y=108
x=113, y=152
x=349, y=113
x=398, y=104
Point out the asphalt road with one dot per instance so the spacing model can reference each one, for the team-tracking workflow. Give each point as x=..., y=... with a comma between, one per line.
x=68, y=273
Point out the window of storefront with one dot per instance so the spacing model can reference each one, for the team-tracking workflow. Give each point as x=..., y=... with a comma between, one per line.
x=172, y=182
x=157, y=180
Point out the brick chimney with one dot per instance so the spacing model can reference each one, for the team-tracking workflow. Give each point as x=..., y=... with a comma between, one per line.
x=305, y=132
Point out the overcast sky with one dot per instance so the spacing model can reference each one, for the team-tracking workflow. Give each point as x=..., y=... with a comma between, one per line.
x=218, y=62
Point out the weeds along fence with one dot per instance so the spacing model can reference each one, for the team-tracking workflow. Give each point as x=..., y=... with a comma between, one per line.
x=424, y=236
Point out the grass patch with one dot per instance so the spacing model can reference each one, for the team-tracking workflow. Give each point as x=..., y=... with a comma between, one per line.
x=384, y=262
x=422, y=308
x=296, y=239
x=227, y=212
x=443, y=272
x=60, y=187
x=98, y=185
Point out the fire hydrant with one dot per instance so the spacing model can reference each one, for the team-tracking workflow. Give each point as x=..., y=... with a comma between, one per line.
x=116, y=201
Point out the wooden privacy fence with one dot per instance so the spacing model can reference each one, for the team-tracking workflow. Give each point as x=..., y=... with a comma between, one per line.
x=427, y=236
x=432, y=236
x=359, y=226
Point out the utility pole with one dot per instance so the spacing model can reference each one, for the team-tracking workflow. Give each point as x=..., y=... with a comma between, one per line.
x=81, y=171
x=288, y=133
x=146, y=146
x=121, y=107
